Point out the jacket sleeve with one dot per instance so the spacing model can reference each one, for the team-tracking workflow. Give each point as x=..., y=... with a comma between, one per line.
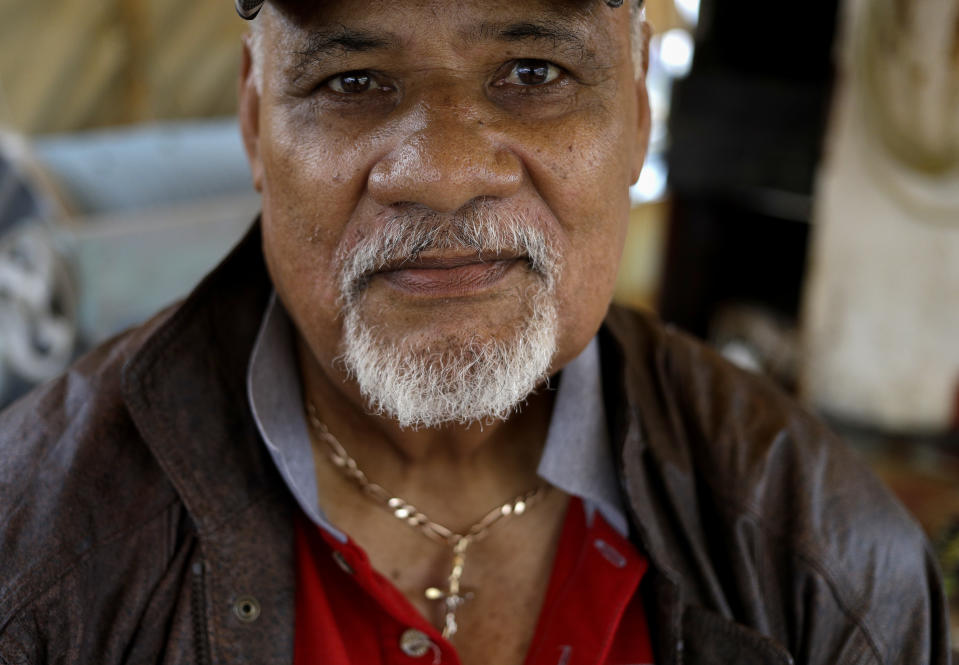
x=92, y=536
x=891, y=609
x=874, y=586
x=11, y=651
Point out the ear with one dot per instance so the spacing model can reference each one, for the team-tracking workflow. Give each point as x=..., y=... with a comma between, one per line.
x=643, y=114
x=249, y=115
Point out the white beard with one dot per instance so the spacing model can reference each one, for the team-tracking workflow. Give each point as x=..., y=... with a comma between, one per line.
x=479, y=380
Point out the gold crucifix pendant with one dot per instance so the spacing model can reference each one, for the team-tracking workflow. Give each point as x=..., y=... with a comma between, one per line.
x=453, y=597
x=452, y=603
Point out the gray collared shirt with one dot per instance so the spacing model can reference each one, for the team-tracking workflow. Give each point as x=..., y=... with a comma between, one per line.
x=576, y=458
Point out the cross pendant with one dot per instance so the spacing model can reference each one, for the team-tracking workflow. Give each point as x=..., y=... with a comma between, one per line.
x=452, y=602
x=453, y=598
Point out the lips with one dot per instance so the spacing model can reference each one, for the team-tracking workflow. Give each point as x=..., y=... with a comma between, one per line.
x=439, y=275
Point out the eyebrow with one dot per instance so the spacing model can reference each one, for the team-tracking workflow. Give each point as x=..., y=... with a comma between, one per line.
x=340, y=40
x=337, y=41
x=558, y=33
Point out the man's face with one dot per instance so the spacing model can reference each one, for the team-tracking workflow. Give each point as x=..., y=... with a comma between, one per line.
x=409, y=154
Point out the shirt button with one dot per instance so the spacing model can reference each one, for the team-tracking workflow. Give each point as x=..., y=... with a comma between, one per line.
x=415, y=643
x=610, y=553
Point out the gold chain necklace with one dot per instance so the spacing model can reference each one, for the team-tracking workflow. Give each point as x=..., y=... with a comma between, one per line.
x=455, y=595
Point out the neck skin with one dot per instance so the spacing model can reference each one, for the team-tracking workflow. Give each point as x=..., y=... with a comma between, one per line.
x=481, y=466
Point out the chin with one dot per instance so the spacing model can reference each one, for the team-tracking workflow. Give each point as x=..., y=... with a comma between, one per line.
x=459, y=375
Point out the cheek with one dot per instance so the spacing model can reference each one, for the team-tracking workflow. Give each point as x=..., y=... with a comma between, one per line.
x=586, y=286
x=581, y=166
x=311, y=187
x=584, y=178
x=586, y=185
x=315, y=175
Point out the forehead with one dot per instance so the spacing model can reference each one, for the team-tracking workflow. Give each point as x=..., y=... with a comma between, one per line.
x=468, y=20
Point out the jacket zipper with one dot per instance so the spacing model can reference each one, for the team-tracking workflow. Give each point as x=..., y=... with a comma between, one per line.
x=198, y=610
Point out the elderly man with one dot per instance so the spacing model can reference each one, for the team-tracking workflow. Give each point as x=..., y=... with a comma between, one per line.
x=400, y=423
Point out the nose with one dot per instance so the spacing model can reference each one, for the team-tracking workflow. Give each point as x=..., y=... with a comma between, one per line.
x=445, y=162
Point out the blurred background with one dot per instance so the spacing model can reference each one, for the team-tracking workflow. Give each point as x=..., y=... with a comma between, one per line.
x=799, y=209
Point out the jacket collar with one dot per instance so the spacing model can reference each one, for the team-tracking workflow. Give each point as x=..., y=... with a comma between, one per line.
x=651, y=469
x=185, y=389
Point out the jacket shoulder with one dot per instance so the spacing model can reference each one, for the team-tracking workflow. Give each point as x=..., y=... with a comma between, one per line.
x=765, y=490
x=76, y=479
x=699, y=411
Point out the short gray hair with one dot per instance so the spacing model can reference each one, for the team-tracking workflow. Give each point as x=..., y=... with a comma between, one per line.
x=254, y=42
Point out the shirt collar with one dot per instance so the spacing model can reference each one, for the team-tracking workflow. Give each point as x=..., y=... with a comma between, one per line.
x=276, y=400
x=577, y=457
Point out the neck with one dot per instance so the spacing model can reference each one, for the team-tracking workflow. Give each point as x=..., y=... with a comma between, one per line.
x=481, y=465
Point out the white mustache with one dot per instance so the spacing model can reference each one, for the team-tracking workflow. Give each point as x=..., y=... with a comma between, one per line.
x=480, y=227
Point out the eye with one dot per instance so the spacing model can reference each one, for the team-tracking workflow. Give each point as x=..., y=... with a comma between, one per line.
x=532, y=73
x=354, y=83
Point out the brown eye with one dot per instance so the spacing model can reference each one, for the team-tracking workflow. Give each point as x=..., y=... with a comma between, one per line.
x=352, y=83
x=532, y=73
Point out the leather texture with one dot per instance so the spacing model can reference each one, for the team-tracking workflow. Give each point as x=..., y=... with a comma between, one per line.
x=138, y=505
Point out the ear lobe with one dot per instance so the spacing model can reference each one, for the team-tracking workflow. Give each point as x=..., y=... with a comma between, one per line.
x=249, y=116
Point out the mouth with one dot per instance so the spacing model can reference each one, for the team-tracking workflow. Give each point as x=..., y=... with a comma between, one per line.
x=448, y=275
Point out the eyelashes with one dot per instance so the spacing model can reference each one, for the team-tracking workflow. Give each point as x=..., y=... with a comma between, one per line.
x=524, y=73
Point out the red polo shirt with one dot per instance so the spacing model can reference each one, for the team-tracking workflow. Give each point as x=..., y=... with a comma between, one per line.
x=348, y=614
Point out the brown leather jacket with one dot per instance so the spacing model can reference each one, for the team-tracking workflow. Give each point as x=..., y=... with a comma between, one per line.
x=142, y=520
